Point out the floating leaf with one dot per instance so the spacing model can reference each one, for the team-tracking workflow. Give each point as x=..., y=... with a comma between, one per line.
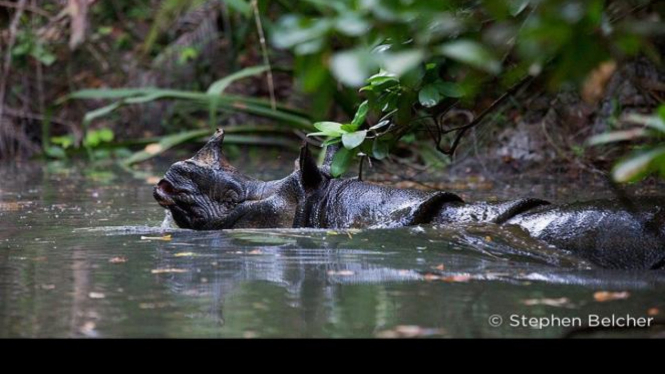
x=168, y=270
x=165, y=237
x=560, y=302
x=602, y=296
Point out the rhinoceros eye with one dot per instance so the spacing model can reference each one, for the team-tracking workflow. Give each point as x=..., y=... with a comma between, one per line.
x=230, y=197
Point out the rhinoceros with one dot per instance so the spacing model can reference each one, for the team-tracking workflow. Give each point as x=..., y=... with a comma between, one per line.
x=206, y=193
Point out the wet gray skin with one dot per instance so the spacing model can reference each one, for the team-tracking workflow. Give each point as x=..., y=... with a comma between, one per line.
x=207, y=193
x=82, y=254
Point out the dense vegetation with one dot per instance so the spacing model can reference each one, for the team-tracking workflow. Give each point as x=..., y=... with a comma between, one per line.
x=108, y=78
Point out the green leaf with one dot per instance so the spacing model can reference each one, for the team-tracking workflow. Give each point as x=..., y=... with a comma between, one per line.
x=381, y=124
x=636, y=166
x=429, y=96
x=91, y=139
x=399, y=63
x=64, y=141
x=239, y=6
x=329, y=128
x=661, y=113
x=380, y=149
x=108, y=93
x=617, y=136
x=517, y=6
x=381, y=78
x=105, y=135
x=354, y=139
x=55, y=152
x=655, y=122
x=219, y=86
x=472, y=53
x=351, y=24
x=341, y=162
x=349, y=127
x=331, y=141
x=450, y=89
x=100, y=112
x=352, y=67
x=361, y=114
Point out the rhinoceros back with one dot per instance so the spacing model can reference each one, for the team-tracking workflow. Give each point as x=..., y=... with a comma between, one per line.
x=606, y=232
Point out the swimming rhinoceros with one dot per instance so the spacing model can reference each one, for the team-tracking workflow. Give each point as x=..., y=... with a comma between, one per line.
x=206, y=193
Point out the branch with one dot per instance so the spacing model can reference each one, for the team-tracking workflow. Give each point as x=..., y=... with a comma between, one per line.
x=29, y=8
x=461, y=130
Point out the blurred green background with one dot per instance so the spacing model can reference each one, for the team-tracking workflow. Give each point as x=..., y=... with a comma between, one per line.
x=409, y=82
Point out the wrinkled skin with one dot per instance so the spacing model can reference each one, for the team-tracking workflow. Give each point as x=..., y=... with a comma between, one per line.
x=206, y=193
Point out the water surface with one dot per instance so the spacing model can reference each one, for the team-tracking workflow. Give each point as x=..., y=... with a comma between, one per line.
x=82, y=254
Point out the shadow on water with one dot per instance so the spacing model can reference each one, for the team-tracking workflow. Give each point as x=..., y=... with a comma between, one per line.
x=82, y=254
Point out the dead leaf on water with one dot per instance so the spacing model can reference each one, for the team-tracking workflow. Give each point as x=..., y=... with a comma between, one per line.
x=165, y=237
x=88, y=327
x=168, y=270
x=12, y=206
x=118, y=260
x=560, y=302
x=457, y=278
x=341, y=272
x=409, y=331
x=184, y=254
x=602, y=296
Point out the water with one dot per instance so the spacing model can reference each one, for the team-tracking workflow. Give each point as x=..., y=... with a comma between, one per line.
x=82, y=254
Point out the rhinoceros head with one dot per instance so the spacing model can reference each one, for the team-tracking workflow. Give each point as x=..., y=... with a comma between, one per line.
x=205, y=192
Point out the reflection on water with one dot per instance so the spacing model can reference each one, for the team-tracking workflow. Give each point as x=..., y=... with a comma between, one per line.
x=82, y=254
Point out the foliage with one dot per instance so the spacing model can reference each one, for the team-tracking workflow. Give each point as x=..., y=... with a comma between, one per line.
x=214, y=100
x=429, y=55
x=646, y=159
x=374, y=73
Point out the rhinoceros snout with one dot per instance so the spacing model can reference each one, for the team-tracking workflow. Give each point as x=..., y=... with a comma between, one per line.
x=163, y=193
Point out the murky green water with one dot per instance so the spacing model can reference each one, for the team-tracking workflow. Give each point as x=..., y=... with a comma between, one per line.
x=82, y=255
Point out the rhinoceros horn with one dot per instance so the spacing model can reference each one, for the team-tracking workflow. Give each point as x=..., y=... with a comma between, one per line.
x=211, y=153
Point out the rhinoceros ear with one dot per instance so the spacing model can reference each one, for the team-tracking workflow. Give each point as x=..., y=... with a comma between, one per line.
x=310, y=175
x=211, y=153
x=330, y=153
